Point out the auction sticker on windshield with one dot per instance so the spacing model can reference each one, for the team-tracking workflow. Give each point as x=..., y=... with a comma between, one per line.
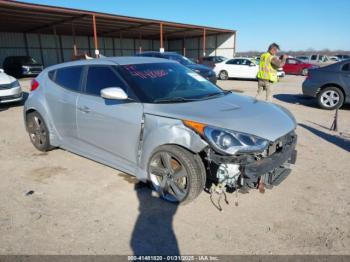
x=197, y=77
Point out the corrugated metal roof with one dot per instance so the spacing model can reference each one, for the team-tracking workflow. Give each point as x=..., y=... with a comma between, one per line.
x=24, y=17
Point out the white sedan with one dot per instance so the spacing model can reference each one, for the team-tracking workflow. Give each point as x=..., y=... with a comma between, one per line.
x=10, y=89
x=239, y=67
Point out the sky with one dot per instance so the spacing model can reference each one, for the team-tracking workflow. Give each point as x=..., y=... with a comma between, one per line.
x=293, y=24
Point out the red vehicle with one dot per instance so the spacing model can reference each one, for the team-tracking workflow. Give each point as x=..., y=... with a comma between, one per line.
x=296, y=67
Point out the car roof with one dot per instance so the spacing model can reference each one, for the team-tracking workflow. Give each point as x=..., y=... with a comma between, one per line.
x=240, y=57
x=119, y=60
x=157, y=52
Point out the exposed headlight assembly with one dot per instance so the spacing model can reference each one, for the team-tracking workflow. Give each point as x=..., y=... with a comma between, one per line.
x=231, y=142
x=227, y=141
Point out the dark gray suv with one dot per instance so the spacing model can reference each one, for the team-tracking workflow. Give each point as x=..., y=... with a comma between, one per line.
x=329, y=84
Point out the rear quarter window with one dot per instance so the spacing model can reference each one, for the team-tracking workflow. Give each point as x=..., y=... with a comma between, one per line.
x=69, y=77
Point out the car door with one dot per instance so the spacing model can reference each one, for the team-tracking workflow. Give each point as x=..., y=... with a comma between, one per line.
x=108, y=129
x=233, y=67
x=249, y=69
x=63, y=88
x=291, y=66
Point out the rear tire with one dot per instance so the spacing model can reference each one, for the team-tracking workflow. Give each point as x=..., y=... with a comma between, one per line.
x=38, y=132
x=176, y=174
x=223, y=75
x=330, y=98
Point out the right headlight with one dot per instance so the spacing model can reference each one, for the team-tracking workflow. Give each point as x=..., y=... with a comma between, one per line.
x=232, y=142
x=227, y=141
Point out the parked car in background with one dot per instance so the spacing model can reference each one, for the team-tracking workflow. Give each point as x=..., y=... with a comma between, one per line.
x=303, y=58
x=334, y=58
x=280, y=72
x=343, y=57
x=296, y=67
x=19, y=66
x=211, y=60
x=10, y=89
x=239, y=67
x=204, y=71
x=318, y=59
x=329, y=84
x=161, y=122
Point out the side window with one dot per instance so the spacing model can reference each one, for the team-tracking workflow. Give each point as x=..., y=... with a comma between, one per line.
x=313, y=57
x=346, y=67
x=100, y=77
x=233, y=62
x=291, y=61
x=69, y=77
x=246, y=62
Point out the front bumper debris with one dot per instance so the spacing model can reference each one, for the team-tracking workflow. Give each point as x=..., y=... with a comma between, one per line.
x=273, y=168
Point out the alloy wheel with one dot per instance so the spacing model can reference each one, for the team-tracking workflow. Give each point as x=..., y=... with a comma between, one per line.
x=37, y=131
x=330, y=98
x=168, y=176
x=223, y=75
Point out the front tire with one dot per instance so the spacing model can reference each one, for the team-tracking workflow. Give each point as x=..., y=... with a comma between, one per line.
x=38, y=132
x=330, y=98
x=304, y=72
x=176, y=174
x=223, y=75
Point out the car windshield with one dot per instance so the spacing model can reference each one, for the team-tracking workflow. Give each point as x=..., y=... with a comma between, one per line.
x=178, y=58
x=27, y=60
x=167, y=83
x=219, y=59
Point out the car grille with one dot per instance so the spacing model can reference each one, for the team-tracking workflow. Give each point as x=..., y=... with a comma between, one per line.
x=277, y=145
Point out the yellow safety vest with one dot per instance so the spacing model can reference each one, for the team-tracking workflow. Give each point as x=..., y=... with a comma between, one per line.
x=266, y=70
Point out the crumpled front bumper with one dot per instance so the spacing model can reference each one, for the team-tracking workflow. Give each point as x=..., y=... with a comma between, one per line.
x=272, y=169
x=276, y=161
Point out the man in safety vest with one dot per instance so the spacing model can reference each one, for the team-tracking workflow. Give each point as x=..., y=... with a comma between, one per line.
x=267, y=75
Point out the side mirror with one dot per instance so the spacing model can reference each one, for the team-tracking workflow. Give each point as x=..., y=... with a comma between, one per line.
x=2, y=70
x=115, y=93
x=252, y=64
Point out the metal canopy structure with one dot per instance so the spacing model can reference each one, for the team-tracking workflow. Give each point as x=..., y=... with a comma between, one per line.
x=27, y=18
x=24, y=17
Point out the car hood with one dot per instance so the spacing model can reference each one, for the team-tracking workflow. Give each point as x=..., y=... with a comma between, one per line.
x=6, y=79
x=201, y=68
x=233, y=112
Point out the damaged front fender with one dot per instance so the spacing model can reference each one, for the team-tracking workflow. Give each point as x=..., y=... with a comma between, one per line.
x=159, y=131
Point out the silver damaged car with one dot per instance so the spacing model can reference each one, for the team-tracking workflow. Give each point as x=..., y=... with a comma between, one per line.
x=161, y=122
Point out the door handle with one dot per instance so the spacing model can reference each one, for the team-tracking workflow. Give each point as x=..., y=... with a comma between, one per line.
x=84, y=109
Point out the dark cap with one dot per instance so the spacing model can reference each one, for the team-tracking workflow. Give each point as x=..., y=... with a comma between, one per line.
x=274, y=45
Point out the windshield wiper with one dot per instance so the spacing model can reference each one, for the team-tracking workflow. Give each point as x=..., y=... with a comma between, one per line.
x=216, y=94
x=173, y=100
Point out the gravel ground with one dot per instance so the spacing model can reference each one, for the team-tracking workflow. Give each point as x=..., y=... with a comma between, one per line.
x=78, y=206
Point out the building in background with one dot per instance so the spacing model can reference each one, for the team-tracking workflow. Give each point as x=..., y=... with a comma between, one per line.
x=53, y=34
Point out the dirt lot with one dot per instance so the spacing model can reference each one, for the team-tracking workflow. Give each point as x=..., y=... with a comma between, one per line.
x=82, y=207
